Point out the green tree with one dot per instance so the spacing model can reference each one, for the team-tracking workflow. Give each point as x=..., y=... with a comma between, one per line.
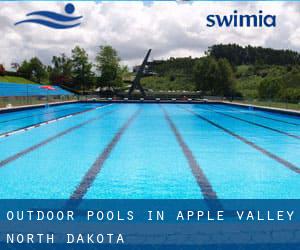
x=205, y=74
x=224, y=84
x=270, y=88
x=290, y=94
x=81, y=69
x=61, y=71
x=108, y=65
x=213, y=76
x=238, y=55
x=33, y=70
x=25, y=69
x=38, y=70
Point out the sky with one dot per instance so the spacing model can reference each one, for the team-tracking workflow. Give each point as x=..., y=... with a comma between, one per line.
x=171, y=29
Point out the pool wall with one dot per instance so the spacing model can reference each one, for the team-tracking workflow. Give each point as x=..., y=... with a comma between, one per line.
x=245, y=106
x=241, y=105
x=20, y=108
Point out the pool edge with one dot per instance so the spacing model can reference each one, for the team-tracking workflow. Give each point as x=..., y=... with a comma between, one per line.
x=263, y=108
x=242, y=105
x=34, y=106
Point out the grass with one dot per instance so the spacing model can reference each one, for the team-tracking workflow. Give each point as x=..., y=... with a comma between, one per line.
x=15, y=79
x=165, y=83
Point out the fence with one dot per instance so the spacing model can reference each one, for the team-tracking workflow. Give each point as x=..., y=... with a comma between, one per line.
x=295, y=105
x=14, y=94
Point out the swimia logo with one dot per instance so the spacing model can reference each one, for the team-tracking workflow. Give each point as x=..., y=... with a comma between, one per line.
x=239, y=20
x=54, y=20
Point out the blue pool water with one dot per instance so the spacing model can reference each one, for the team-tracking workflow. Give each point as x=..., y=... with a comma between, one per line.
x=17, y=120
x=149, y=151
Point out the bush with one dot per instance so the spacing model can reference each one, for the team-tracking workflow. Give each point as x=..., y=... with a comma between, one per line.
x=270, y=88
x=290, y=95
x=172, y=78
x=2, y=70
x=277, y=88
x=213, y=76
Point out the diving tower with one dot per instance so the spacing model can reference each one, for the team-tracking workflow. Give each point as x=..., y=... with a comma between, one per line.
x=136, y=82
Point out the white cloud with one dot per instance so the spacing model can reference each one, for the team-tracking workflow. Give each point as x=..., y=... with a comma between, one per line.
x=169, y=28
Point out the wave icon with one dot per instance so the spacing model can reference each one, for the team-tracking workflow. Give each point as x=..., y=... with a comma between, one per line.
x=55, y=20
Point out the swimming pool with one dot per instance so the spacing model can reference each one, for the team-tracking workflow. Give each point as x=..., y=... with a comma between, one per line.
x=173, y=151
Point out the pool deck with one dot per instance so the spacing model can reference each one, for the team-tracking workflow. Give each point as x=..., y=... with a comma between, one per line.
x=19, y=108
x=263, y=108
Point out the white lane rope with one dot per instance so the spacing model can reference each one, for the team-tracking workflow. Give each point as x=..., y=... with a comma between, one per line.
x=22, y=130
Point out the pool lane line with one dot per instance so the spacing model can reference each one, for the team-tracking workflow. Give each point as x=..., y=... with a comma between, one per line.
x=256, y=124
x=38, y=114
x=95, y=169
x=29, y=127
x=201, y=179
x=280, y=160
x=50, y=139
x=273, y=119
x=266, y=117
x=23, y=129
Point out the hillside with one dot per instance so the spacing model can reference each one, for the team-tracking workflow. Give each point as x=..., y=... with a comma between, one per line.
x=258, y=73
x=172, y=74
x=281, y=83
x=15, y=79
x=165, y=83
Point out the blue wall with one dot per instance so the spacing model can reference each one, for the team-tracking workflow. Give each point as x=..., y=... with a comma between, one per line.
x=15, y=89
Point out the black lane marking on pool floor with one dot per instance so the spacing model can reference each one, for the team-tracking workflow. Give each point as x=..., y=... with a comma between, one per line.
x=94, y=170
x=256, y=124
x=203, y=182
x=266, y=117
x=36, y=125
x=273, y=119
x=50, y=139
x=38, y=114
x=283, y=162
